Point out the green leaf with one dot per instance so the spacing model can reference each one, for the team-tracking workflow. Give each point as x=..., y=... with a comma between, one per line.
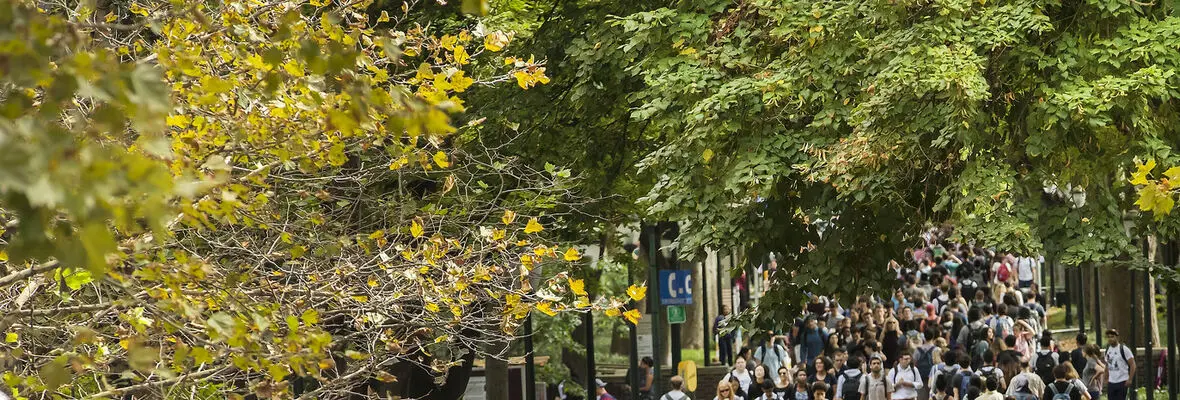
x=222, y=323
x=54, y=374
x=98, y=241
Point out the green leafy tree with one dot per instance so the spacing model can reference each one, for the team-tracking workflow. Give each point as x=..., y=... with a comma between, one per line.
x=264, y=198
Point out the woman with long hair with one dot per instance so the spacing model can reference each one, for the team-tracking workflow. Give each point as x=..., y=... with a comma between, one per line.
x=832, y=345
x=822, y=372
x=891, y=342
x=725, y=392
x=1094, y=372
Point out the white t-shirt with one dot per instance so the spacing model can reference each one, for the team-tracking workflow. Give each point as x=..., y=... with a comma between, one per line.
x=1117, y=367
x=674, y=395
x=1025, y=268
x=898, y=375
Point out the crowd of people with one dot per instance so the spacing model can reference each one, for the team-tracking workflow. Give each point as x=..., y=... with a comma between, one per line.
x=965, y=323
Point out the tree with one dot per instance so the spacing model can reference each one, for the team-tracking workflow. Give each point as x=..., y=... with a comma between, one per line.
x=833, y=132
x=260, y=198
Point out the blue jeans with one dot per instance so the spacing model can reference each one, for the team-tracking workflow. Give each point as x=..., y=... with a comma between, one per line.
x=1116, y=390
x=1024, y=284
x=1094, y=394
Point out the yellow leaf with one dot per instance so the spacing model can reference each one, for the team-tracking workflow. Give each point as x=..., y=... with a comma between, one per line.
x=498, y=234
x=377, y=235
x=361, y=299
x=612, y=312
x=456, y=311
x=541, y=251
x=432, y=307
x=461, y=56
x=633, y=316
x=1172, y=173
x=582, y=302
x=817, y=29
x=636, y=293
x=178, y=121
x=459, y=82
x=508, y=217
x=707, y=155
x=398, y=163
x=372, y=282
x=1139, y=177
x=495, y=41
x=523, y=79
x=688, y=51
x=138, y=9
x=546, y=308
x=448, y=42
x=440, y=158
x=572, y=255
x=292, y=67
x=384, y=16
x=578, y=286
x=11, y=337
x=416, y=229
x=533, y=226
x=424, y=72
x=111, y=17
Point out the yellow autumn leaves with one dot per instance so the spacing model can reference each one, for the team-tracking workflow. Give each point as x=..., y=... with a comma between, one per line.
x=1155, y=195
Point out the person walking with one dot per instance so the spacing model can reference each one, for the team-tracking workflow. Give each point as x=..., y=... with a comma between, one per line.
x=1027, y=385
x=905, y=378
x=724, y=341
x=1120, y=366
x=676, y=383
x=1062, y=388
x=772, y=355
x=876, y=385
x=601, y=390
x=726, y=392
x=1094, y=372
x=849, y=384
x=646, y=377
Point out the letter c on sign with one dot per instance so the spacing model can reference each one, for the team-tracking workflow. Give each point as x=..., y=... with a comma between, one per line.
x=672, y=284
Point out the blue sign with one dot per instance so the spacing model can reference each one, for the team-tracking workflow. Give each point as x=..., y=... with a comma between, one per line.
x=675, y=287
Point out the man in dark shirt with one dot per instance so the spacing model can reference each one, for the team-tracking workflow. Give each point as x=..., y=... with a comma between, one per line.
x=1061, y=386
x=1076, y=357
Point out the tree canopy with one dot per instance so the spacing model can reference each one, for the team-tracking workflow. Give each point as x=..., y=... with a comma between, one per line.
x=832, y=132
x=267, y=198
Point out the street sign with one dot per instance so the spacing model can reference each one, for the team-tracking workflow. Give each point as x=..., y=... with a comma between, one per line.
x=675, y=287
x=676, y=315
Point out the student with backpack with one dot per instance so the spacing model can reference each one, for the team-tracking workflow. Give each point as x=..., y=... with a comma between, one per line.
x=849, y=384
x=1120, y=366
x=961, y=381
x=1045, y=359
x=989, y=371
x=1062, y=387
x=676, y=383
x=924, y=360
x=875, y=386
x=904, y=378
x=1026, y=385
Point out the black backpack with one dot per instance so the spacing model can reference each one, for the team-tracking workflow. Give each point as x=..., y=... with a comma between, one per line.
x=1045, y=365
x=851, y=388
x=924, y=360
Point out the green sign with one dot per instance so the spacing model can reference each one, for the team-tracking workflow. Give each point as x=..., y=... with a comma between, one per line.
x=676, y=314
